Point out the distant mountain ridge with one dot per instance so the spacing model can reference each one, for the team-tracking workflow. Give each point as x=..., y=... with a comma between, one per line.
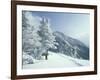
x=70, y=46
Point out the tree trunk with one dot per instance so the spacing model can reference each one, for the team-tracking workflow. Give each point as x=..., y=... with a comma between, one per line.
x=46, y=57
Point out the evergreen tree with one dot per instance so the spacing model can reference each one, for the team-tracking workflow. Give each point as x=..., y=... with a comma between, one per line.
x=48, y=40
x=30, y=37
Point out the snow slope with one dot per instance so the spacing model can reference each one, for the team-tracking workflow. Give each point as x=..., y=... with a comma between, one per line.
x=56, y=60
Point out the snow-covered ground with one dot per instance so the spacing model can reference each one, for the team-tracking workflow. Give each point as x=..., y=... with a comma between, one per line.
x=57, y=60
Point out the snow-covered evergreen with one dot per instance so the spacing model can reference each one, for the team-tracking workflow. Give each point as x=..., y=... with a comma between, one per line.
x=27, y=59
x=48, y=39
x=30, y=37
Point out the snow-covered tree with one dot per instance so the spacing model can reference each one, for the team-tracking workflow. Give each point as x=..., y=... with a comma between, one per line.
x=75, y=54
x=48, y=39
x=30, y=37
x=27, y=59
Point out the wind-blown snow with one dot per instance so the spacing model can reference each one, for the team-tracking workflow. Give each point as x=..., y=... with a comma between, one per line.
x=56, y=60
